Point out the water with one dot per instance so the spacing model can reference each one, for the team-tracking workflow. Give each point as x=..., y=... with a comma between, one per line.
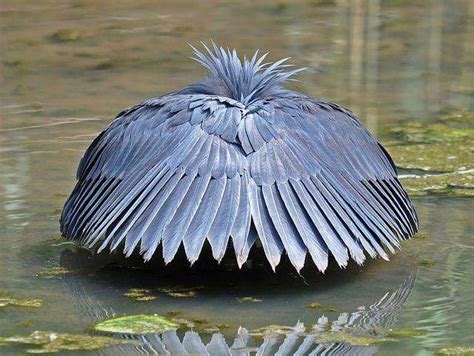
x=67, y=68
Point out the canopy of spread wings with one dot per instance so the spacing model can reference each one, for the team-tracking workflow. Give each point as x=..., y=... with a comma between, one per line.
x=302, y=176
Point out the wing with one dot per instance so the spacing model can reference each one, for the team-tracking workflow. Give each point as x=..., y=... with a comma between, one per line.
x=163, y=173
x=302, y=176
x=326, y=185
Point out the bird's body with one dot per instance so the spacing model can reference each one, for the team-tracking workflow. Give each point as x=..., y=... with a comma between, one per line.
x=239, y=157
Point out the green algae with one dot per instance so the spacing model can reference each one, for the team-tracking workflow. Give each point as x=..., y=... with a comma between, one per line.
x=427, y=262
x=140, y=294
x=350, y=338
x=457, y=183
x=137, y=324
x=183, y=322
x=223, y=326
x=249, y=300
x=272, y=329
x=53, y=272
x=211, y=330
x=451, y=125
x=50, y=342
x=454, y=116
x=440, y=132
x=400, y=333
x=180, y=292
x=434, y=157
x=420, y=236
x=25, y=324
x=65, y=35
x=442, y=153
x=197, y=324
x=145, y=298
x=7, y=300
x=322, y=307
x=456, y=350
x=184, y=294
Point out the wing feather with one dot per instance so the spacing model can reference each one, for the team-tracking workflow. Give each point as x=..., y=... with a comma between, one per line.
x=284, y=225
x=271, y=242
x=201, y=224
x=221, y=227
x=300, y=174
x=347, y=237
x=241, y=226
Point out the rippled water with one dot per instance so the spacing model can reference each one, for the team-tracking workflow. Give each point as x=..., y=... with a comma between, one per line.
x=68, y=67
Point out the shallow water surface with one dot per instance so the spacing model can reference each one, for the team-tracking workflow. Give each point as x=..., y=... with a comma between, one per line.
x=67, y=68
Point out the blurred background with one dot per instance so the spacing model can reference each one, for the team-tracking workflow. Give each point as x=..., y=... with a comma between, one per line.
x=68, y=67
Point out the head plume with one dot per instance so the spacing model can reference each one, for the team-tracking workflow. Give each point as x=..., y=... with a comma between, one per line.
x=245, y=80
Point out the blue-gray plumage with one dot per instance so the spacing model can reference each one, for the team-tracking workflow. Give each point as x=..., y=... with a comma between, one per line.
x=239, y=157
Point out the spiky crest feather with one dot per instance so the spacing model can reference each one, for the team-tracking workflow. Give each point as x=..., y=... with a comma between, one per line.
x=245, y=80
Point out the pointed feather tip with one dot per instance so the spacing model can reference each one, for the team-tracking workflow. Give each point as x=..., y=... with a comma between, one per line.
x=358, y=258
x=192, y=261
x=219, y=258
x=240, y=262
x=322, y=267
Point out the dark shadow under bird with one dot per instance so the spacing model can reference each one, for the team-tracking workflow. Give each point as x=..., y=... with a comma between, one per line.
x=237, y=157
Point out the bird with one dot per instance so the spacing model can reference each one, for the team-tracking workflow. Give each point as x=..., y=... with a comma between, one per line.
x=237, y=159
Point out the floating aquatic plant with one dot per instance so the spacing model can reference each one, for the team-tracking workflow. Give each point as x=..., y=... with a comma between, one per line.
x=350, y=338
x=322, y=307
x=274, y=330
x=140, y=294
x=65, y=35
x=457, y=183
x=426, y=262
x=431, y=133
x=456, y=350
x=183, y=322
x=49, y=342
x=7, y=300
x=434, y=157
x=180, y=292
x=137, y=324
x=442, y=154
x=404, y=332
x=249, y=300
x=52, y=272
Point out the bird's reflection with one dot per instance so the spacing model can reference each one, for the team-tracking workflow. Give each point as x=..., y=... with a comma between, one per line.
x=100, y=296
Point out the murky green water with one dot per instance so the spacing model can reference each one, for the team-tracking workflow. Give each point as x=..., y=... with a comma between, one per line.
x=68, y=67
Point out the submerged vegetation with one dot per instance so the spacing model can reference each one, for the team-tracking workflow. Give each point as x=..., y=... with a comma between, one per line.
x=180, y=292
x=140, y=294
x=404, y=332
x=249, y=300
x=322, y=307
x=438, y=156
x=456, y=351
x=7, y=300
x=52, y=272
x=350, y=338
x=49, y=342
x=137, y=324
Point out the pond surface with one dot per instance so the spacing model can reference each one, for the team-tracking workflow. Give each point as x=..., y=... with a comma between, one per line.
x=67, y=68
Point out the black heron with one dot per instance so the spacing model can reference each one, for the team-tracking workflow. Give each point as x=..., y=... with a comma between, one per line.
x=237, y=156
